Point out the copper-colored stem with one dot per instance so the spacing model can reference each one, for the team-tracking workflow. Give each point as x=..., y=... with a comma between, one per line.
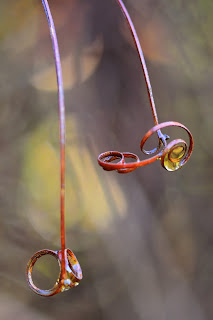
x=61, y=119
x=142, y=60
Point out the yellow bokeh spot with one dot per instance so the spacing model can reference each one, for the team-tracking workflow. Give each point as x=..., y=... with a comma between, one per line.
x=87, y=61
x=89, y=202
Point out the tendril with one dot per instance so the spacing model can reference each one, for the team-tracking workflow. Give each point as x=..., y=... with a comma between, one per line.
x=70, y=270
x=173, y=155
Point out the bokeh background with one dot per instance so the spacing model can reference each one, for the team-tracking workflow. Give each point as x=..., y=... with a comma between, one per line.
x=144, y=239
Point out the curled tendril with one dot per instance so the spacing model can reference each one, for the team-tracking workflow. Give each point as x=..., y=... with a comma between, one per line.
x=68, y=278
x=70, y=270
x=173, y=155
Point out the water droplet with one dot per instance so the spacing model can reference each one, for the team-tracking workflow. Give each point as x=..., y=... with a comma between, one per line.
x=173, y=158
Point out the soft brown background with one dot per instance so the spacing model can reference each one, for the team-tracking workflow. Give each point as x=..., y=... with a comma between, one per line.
x=144, y=239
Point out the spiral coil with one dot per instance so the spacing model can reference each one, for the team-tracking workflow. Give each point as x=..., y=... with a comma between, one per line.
x=173, y=155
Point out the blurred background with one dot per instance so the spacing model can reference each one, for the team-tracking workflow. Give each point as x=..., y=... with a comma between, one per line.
x=144, y=240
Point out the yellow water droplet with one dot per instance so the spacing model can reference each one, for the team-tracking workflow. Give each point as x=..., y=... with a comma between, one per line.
x=177, y=153
x=173, y=159
x=169, y=165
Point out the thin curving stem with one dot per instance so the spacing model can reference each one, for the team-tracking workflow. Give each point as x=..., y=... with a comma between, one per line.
x=70, y=270
x=142, y=59
x=61, y=107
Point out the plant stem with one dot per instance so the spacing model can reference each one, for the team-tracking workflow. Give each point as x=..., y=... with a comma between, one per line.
x=142, y=60
x=61, y=107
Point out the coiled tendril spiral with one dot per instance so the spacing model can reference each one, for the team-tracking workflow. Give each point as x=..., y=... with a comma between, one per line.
x=173, y=155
